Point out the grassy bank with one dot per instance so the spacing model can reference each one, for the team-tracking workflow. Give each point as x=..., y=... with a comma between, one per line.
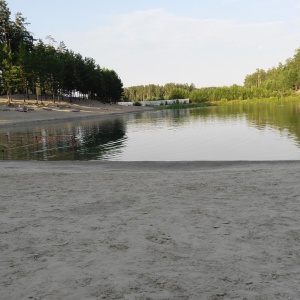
x=294, y=97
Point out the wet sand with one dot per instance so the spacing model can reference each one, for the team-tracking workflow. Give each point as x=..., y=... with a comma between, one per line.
x=149, y=230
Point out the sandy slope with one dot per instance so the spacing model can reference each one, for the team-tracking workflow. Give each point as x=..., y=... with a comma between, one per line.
x=117, y=230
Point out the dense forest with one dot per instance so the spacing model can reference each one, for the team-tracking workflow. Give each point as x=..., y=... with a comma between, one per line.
x=30, y=66
x=276, y=82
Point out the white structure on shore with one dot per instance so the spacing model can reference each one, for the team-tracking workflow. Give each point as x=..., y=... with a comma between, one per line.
x=157, y=102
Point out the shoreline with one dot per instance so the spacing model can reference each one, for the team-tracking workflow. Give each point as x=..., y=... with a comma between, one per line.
x=60, y=112
x=184, y=165
x=149, y=230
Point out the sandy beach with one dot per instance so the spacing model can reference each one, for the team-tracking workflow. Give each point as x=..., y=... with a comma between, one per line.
x=156, y=230
x=57, y=112
x=145, y=230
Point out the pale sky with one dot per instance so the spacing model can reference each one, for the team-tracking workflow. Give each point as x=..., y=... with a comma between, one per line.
x=205, y=42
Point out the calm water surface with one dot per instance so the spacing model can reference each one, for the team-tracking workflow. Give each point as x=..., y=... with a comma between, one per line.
x=239, y=132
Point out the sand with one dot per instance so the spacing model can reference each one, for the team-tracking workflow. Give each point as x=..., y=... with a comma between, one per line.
x=58, y=112
x=156, y=230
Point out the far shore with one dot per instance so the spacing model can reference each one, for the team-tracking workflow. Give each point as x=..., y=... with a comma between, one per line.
x=58, y=111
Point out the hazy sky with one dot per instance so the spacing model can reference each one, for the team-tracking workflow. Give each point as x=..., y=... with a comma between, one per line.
x=205, y=42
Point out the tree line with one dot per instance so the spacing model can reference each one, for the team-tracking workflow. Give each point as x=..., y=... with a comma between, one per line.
x=157, y=92
x=196, y=95
x=285, y=78
x=45, y=69
x=275, y=82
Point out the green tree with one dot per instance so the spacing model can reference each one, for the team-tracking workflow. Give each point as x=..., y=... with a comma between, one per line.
x=179, y=93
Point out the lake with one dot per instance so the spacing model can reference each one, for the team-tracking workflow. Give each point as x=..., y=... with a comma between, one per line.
x=234, y=132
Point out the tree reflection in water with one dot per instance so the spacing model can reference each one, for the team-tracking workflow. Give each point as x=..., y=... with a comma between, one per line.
x=91, y=140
